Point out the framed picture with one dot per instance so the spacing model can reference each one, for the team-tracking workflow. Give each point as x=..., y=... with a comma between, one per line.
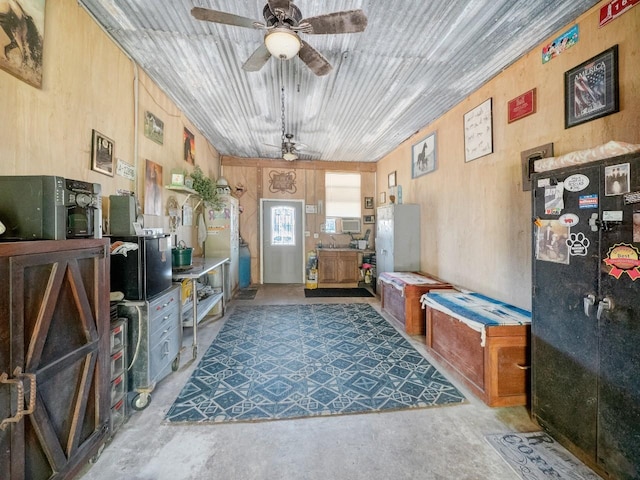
x=369, y=219
x=591, y=89
x=102, y=153
x=189, y=147
x=368, y=202
x=423, y=156
x=152, y=188
x=392, y=179
x=521, y=106
x=383, y=197
x=153, y=127
x=478, y=131
x=23, y=34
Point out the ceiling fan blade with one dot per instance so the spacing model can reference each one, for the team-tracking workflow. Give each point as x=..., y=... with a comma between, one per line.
x=314, y=59
x=223, y=17
x=282, y=4
x=349, y=21
x=257, y=59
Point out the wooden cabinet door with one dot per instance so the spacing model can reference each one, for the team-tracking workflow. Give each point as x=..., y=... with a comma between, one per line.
x=56, y=304
x=348, y=271
x=328, y=267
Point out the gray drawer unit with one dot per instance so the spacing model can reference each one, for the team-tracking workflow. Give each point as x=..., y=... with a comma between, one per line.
x=154, y=342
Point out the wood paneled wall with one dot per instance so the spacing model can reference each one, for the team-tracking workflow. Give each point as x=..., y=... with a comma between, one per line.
x=89, y=83
x=476, y=219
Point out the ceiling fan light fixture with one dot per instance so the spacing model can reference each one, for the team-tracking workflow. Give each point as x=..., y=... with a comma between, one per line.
x=289, y=156
x=282, y=43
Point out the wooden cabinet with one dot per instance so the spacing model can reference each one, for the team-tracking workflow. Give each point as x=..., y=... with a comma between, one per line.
x=54, y=356
x=338, y=268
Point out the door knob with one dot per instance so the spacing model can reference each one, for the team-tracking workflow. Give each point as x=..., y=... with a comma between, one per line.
x=588, y=302
x=605, y=304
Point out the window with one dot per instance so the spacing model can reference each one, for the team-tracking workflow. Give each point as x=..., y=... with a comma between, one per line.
x=342, y=198
x=342, y=195
x=283, y=222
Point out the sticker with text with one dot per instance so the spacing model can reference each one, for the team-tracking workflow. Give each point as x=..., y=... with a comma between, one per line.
x=623, y=258
x=576, y=183
x=588, y=201
x=578, y=244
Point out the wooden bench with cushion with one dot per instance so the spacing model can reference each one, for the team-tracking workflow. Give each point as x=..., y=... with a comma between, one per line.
x=400, y=294
x=484, y=342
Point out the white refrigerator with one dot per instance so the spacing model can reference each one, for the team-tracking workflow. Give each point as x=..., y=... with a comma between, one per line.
x=223, y=240
x=398, y=238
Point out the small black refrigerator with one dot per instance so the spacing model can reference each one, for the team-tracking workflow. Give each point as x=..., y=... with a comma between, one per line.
x=586, y=311
x=142, y=272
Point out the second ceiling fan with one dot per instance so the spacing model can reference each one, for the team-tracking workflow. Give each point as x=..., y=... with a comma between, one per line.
x=283, y=22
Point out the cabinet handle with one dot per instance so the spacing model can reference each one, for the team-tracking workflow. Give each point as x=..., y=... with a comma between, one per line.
x=523, y=367
x=165, y=348
x=17, y=381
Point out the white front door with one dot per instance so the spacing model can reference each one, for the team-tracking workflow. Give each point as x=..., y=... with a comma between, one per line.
x=282, y=241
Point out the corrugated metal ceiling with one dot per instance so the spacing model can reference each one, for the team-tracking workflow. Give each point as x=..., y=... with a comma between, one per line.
x=415, y=60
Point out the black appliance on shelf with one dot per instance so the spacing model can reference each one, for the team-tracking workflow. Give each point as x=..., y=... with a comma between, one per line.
x=144, y=272
x=47, y=207
x=586, y=311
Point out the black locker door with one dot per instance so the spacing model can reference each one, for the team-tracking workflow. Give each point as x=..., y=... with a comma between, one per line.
x=619, y=386
x=564, y=339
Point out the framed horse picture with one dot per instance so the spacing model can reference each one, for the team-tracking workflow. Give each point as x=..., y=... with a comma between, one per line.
x=423, y=156
x=22, y=38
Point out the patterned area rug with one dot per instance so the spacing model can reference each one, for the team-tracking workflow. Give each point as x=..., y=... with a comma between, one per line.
x=289, y=361
x=537, y=456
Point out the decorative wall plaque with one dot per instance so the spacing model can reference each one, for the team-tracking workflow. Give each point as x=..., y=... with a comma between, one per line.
x=282, y=182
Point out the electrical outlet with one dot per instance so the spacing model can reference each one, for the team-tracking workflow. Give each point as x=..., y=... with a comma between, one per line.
x=315, y=235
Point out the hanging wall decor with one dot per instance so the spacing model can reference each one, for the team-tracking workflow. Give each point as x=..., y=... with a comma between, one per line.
x=189, y=147
x=478, y=131
x=591, y=89
x=282, y=182
x=101, y=153
x=22, y=24
x=423, y=156
x=153, y=128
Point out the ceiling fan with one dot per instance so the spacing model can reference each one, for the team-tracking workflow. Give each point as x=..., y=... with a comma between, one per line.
x=283, y=22
x=290, y=149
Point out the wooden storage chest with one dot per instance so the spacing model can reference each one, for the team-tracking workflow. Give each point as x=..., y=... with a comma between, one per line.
x=400, y=294
x=492, y=360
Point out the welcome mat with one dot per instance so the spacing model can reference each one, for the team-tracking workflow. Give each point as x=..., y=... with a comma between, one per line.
x=538, y=456
x=337, y=292
x=289, y=361
x=246, y=294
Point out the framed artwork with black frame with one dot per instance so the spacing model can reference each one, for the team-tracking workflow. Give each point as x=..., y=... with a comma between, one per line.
x=591, y=89
x=101, y=153
x=368, y=203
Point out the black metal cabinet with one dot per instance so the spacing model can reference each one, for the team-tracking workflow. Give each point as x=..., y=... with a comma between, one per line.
x=586, y=313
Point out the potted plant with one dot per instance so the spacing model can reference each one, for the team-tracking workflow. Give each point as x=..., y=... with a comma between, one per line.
x=206, y=188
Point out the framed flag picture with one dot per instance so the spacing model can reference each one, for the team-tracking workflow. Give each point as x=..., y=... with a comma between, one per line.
x=591, y=89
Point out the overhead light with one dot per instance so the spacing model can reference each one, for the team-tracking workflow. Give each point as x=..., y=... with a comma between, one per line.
x=290, y=156
x=282, y=43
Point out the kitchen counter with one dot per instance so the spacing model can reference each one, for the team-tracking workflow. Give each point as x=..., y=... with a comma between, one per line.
x=344, y=249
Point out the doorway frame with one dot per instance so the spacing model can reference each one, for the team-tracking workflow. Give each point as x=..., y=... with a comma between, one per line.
x=261, y=229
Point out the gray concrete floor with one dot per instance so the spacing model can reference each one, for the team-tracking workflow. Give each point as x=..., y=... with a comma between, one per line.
x=433, y=443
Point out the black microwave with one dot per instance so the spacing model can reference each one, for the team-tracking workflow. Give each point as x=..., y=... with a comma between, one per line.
x=47, y=207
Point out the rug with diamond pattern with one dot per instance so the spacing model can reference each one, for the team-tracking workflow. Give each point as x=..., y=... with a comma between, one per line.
x=290, y=361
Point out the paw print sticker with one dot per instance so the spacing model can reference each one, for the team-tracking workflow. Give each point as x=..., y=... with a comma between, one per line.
x=578, y=244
